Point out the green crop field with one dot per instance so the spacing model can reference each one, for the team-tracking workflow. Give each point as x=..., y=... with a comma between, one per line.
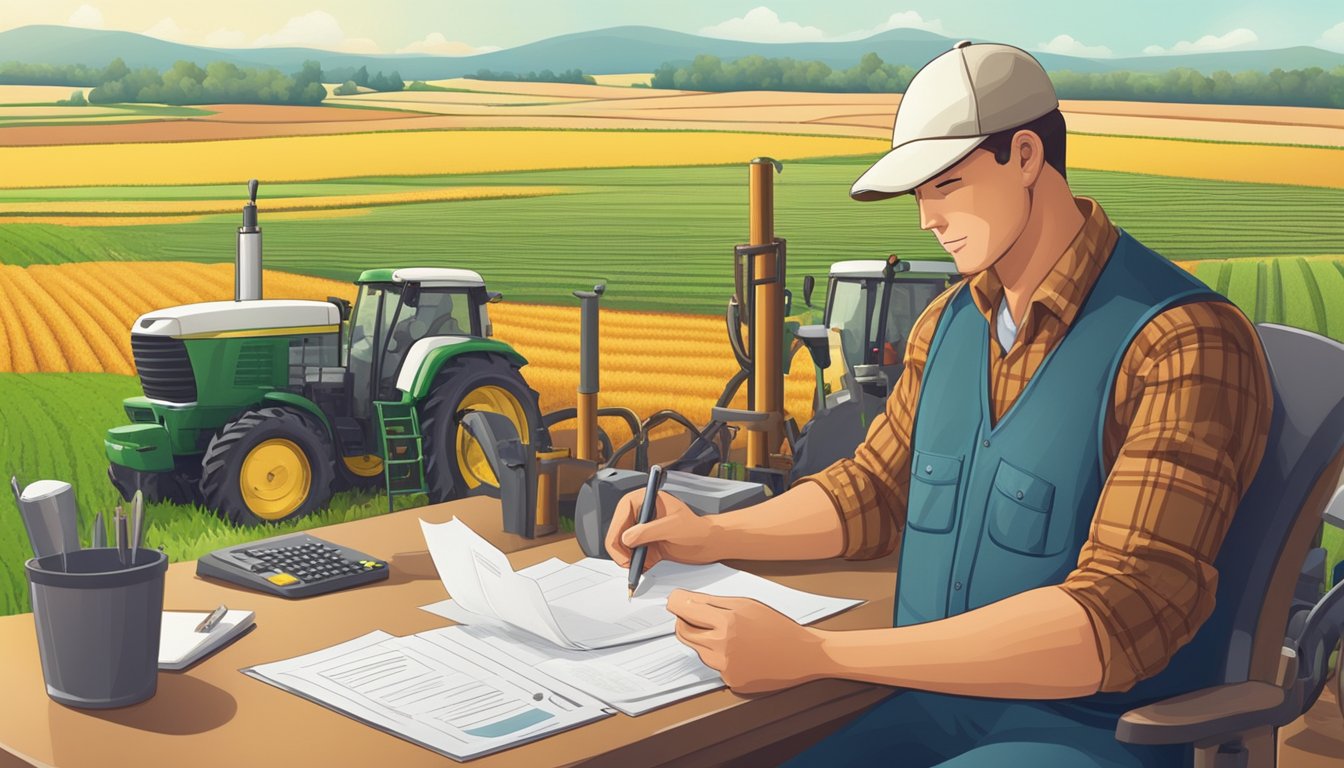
x=40, y=437
x=684, y=221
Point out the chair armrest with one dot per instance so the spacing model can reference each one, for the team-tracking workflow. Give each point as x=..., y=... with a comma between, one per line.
x=1208, y=716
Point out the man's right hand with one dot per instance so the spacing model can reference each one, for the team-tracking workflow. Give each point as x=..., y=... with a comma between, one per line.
x=675, y=533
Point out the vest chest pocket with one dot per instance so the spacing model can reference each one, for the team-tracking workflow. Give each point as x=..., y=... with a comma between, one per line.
x=933, y=492
x=1019, y=510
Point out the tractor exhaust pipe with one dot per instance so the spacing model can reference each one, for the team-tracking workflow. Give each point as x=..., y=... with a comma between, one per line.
x=247, y=265
x=585, y=447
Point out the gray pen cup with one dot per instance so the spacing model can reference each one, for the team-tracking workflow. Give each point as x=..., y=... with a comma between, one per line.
x=98, y=625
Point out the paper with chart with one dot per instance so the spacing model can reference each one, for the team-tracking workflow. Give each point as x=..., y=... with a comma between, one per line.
x=584, y=605
x=449, y=699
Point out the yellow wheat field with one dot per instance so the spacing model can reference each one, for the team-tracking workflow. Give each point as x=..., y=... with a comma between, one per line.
x=61, y=208
x=76, y=318
x=295, y=158
x=1251, y=163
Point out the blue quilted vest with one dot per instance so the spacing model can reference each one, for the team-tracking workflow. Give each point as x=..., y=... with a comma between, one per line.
x=998, y=510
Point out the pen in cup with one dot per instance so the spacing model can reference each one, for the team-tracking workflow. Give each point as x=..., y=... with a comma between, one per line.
x=137, y=527
x=646, y=513
x=121, y=539
x=99, y=537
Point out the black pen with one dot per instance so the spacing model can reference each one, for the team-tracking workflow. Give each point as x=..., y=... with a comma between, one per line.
x=646, y=513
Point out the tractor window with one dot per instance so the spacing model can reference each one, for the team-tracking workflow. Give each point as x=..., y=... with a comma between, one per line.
x=443, y=312
x=847, y=310
x=363, y=339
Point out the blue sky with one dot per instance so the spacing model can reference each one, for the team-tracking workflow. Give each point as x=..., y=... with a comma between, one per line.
x=453, y=27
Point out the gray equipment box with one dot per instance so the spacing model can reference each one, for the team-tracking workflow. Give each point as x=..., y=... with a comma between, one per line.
x=705, y=495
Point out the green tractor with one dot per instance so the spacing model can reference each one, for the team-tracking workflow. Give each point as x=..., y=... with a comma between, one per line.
x=260, y=408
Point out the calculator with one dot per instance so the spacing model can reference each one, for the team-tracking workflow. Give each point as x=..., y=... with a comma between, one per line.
x=293, y=565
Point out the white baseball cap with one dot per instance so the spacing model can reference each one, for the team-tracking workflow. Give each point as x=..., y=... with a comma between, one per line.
x=950, y=106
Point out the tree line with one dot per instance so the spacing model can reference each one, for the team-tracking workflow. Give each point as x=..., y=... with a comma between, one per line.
x=1310, y=87
x=185, y=82
x=354, y=79
x=575, y=76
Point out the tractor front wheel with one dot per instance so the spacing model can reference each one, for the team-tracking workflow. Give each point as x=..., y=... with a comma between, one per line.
x=268, y=465
x=455, y=464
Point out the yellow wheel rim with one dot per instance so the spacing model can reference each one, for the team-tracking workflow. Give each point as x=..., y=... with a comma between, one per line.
x=275, y=479
x=368, y=465
x=470, y=456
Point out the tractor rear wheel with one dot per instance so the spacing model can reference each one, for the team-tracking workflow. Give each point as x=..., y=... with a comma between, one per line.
x=267, y=465
x=455, y=464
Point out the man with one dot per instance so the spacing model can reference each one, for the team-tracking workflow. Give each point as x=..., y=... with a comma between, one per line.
x=1074, y=429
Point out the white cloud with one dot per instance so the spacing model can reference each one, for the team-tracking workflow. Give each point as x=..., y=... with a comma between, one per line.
x=86, y=16
x=317, y=29
x=762, y=25
x=165, y=29
x=1068, y=46
x=226, y=38
x=1234, y=39
x=900, y=20
x=435, y=43
x=1333, y=37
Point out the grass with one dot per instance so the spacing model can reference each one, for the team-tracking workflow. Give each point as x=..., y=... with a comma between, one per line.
x=52, y=427
x=661, y=237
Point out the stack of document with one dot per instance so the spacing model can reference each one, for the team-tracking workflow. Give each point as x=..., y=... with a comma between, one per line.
x=534, y=652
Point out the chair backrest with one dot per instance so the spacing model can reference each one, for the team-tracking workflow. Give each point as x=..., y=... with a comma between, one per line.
x=1280, y=514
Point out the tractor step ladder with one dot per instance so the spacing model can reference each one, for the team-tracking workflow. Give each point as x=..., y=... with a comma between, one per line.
x=403, y=449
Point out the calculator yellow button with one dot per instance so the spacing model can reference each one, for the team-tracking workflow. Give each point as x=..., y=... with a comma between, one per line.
x=282, y=579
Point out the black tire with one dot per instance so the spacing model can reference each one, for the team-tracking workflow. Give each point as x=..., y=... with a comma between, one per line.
x=221, y=467
x=440, y=419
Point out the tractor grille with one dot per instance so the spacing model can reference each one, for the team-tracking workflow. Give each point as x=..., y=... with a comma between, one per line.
x=256, y=362
x=164, y=368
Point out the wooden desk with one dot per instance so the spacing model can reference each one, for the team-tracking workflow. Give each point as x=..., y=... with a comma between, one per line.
x=212, y=715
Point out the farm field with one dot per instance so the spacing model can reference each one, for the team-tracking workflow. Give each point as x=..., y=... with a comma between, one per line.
x=303, y=158
x=613, y=222
x=76, y=318
x=484, y=104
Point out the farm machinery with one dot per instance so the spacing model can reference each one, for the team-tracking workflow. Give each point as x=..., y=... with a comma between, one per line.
x=260, y=408
x=856, y=353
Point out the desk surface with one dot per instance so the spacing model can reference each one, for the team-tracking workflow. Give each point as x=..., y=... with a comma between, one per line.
x=213, y=715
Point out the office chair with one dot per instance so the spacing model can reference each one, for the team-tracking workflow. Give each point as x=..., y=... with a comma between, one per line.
x=1274, y=669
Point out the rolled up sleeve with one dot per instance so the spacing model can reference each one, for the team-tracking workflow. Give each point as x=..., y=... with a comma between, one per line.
x=1193, y=405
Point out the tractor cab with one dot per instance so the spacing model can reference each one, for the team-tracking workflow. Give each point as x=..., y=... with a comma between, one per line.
x=400, y=316
x=872, y=305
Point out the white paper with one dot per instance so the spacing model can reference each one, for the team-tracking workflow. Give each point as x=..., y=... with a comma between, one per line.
x=585, y=605
x=632, y=678
x=456, y=702
x=590, y=596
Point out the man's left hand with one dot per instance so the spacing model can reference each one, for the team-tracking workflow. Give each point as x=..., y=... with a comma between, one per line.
x=754, y=647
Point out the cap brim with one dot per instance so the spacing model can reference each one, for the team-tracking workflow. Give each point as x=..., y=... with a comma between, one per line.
x=911, y=164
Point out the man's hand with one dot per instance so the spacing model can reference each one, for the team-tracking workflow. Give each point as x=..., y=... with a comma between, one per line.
x=754, y=647
x=675, y=533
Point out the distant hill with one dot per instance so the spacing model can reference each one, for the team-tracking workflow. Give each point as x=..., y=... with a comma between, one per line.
x=602, y=51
